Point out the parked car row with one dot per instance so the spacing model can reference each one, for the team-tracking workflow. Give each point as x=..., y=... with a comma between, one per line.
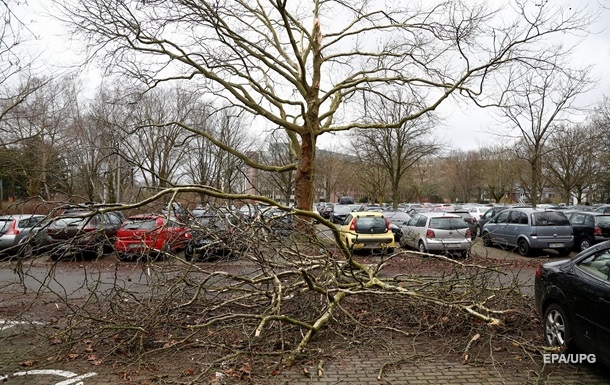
x=90, y=233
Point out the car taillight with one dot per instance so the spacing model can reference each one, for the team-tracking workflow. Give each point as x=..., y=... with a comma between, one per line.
x=352, y=226
x=468, y=233
x=388, y=225
x=12, y=230
x=538, y=271
x=430, y=233
x=597, y=230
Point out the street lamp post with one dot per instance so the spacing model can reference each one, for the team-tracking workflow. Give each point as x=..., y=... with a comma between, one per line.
x=118, y=173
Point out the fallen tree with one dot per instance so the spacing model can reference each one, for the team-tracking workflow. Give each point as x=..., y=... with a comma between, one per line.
x=272, y=297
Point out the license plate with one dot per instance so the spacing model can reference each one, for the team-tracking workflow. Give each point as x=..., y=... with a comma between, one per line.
x=452, y=245
x=134, y=246
x=556, y=244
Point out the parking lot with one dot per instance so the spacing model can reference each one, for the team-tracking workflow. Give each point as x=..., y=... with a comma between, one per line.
x=355, y=367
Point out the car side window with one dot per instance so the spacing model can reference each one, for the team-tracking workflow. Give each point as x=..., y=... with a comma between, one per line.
x=422, y=221
x=112, y=219
x=348, y=219
x=514, y=217
x=597, y=265
x=413, y=220
x=589, y=220
x=503, y=217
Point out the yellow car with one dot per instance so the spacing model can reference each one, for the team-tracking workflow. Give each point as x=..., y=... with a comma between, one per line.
x=367, y=230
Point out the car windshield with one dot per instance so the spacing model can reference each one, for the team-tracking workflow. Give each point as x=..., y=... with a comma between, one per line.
x=550, y=218
x=65, y=222
x=447, y=223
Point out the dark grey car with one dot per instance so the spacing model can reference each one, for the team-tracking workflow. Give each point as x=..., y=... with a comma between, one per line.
x=15, y=232
x=529, y=229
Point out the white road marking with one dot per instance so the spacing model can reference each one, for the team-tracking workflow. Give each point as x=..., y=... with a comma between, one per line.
x=5, y=324
x=72, y=378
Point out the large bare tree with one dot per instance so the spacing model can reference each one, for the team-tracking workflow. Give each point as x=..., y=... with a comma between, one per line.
x=573, y=164
x=17, y=82
x=535, y=103
x=394, y=149
x=309, y=67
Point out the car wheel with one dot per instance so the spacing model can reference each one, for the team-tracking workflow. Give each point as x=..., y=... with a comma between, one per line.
x=26, y=250
x=487, y=240
x=422, y=247
x=189, y=253
x=523, y=247
x=556, y=327
x=584, y=244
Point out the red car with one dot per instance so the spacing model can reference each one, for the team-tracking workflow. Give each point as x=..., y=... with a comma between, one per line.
x=150, y=235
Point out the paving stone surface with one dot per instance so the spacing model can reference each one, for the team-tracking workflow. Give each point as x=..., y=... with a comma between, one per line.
x=352, y=368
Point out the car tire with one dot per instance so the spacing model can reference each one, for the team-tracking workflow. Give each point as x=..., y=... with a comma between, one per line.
x=487, y=240
x=584, y=243
x=189, y=253
x=523, y=247
x=557, y=331
x=421, y=247
x=26, y=250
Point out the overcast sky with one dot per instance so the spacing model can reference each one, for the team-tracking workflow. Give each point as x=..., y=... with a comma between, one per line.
x=464, y=128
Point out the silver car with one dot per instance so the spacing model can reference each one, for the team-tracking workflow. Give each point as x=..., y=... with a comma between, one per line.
x=530, y=230
x=437, y=232
x=15, y=231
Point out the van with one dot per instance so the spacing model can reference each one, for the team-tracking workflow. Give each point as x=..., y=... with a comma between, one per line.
x=530, y=230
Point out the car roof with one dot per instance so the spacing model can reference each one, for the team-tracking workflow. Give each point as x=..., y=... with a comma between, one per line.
x=368, y=214
x=440, y=214
x=529, y=210
x=585, y=212
x=146, y=216
x=20, y=216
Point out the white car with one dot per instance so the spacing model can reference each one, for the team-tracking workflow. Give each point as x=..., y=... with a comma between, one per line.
x=437, y=232
x=477, y=211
